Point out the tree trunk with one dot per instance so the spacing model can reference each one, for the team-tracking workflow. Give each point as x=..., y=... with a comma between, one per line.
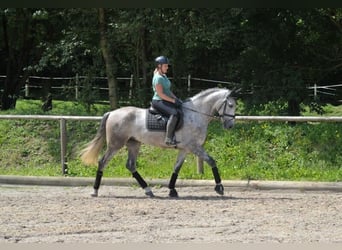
x=109, y=62
x=16, y=57
x=146, y=78
x=293, y=109
x=143, y=55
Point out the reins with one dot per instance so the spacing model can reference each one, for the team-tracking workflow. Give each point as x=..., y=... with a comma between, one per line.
x=214, y=116
x=196, y=111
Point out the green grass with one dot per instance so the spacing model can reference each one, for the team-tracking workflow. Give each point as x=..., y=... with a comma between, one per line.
x=251, y=150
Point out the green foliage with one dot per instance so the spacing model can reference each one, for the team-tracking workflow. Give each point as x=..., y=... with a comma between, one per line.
x=89, y=93
x=281, y=152
x=251, y=150
x=273, y=53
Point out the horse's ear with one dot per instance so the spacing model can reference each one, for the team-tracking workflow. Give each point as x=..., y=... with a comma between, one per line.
x=234, y=90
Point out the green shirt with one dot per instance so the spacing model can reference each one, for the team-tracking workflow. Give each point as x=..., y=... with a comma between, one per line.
x=165, y=82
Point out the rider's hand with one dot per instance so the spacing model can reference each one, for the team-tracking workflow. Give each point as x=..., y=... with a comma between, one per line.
x=178, y=103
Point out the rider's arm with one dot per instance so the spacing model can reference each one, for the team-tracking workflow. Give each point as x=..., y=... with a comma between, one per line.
x=159, y=89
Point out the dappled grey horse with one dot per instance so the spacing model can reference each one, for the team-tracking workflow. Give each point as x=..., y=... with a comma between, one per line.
x=127, y=126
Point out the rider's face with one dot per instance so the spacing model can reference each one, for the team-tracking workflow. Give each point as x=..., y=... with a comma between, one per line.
x=164, y=68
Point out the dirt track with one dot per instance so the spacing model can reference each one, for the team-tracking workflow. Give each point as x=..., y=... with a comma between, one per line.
x=124, y=214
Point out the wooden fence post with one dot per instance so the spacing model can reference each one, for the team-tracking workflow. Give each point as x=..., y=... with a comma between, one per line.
x=189, y=83
x=27, y=90
x=77, y=87
x=63, y=146
x=200, y=169
x=130, y=87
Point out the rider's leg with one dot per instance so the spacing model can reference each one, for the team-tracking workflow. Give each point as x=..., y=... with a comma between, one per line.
x=170, y=110
x=170, y=130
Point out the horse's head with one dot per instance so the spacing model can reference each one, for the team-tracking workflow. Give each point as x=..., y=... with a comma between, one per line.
x=226, y=111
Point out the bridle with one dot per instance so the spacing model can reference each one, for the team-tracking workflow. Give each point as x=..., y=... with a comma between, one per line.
x=223, y=104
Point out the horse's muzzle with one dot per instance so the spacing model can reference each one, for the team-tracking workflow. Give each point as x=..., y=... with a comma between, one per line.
x=227, y=124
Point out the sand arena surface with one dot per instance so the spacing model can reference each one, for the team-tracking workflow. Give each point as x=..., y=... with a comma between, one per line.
x=48, y=214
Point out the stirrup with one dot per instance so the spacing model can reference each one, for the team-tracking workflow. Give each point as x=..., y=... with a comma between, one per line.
x=170, y=142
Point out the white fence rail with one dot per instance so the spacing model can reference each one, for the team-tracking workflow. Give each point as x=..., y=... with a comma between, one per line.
x=63, y=129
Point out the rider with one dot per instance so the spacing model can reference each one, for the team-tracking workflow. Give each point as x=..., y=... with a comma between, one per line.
x=163, y=99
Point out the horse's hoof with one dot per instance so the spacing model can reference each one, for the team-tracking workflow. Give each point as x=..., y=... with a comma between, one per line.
x=95, y=194
x=219, y=189
x=173, y=193
x=149, y=192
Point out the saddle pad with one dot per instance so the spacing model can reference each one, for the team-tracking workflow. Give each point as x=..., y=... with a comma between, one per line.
x=155, y=122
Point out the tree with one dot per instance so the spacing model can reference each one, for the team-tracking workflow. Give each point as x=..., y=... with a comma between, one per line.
x=274, y=53
x=284, y=51
x=112, y=84
x=18, y=36
x=24, y=33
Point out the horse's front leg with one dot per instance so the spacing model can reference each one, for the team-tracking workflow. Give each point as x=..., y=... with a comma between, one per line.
x=200, y=152
x=180, y=160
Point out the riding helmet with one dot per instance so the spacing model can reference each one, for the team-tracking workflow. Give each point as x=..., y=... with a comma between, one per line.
x=161, y=60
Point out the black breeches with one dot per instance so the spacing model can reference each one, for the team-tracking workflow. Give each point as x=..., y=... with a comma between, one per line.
x=165, y=107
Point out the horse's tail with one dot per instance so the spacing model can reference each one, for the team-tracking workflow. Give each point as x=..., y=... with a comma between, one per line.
x=89, y=155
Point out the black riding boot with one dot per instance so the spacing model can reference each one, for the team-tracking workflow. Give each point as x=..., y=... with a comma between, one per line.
x=170, y=130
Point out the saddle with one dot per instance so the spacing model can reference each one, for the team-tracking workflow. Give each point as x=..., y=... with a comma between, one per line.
x=156, y=121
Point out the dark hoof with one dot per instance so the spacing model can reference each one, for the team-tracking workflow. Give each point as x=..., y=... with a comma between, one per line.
x=95, y=194
x=173, y=193
x=219, y=189
x=149, y=192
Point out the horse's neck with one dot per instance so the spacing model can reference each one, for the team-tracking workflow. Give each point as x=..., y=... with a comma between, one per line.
x=208, y=104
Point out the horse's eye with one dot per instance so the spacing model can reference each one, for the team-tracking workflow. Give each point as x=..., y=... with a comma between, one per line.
x=230, y=104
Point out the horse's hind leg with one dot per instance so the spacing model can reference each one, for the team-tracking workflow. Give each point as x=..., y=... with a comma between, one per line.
x=180, y=160
x=133, y=147
x=110, y=152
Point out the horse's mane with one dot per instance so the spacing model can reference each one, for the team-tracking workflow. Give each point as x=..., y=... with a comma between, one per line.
x=206, y=92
